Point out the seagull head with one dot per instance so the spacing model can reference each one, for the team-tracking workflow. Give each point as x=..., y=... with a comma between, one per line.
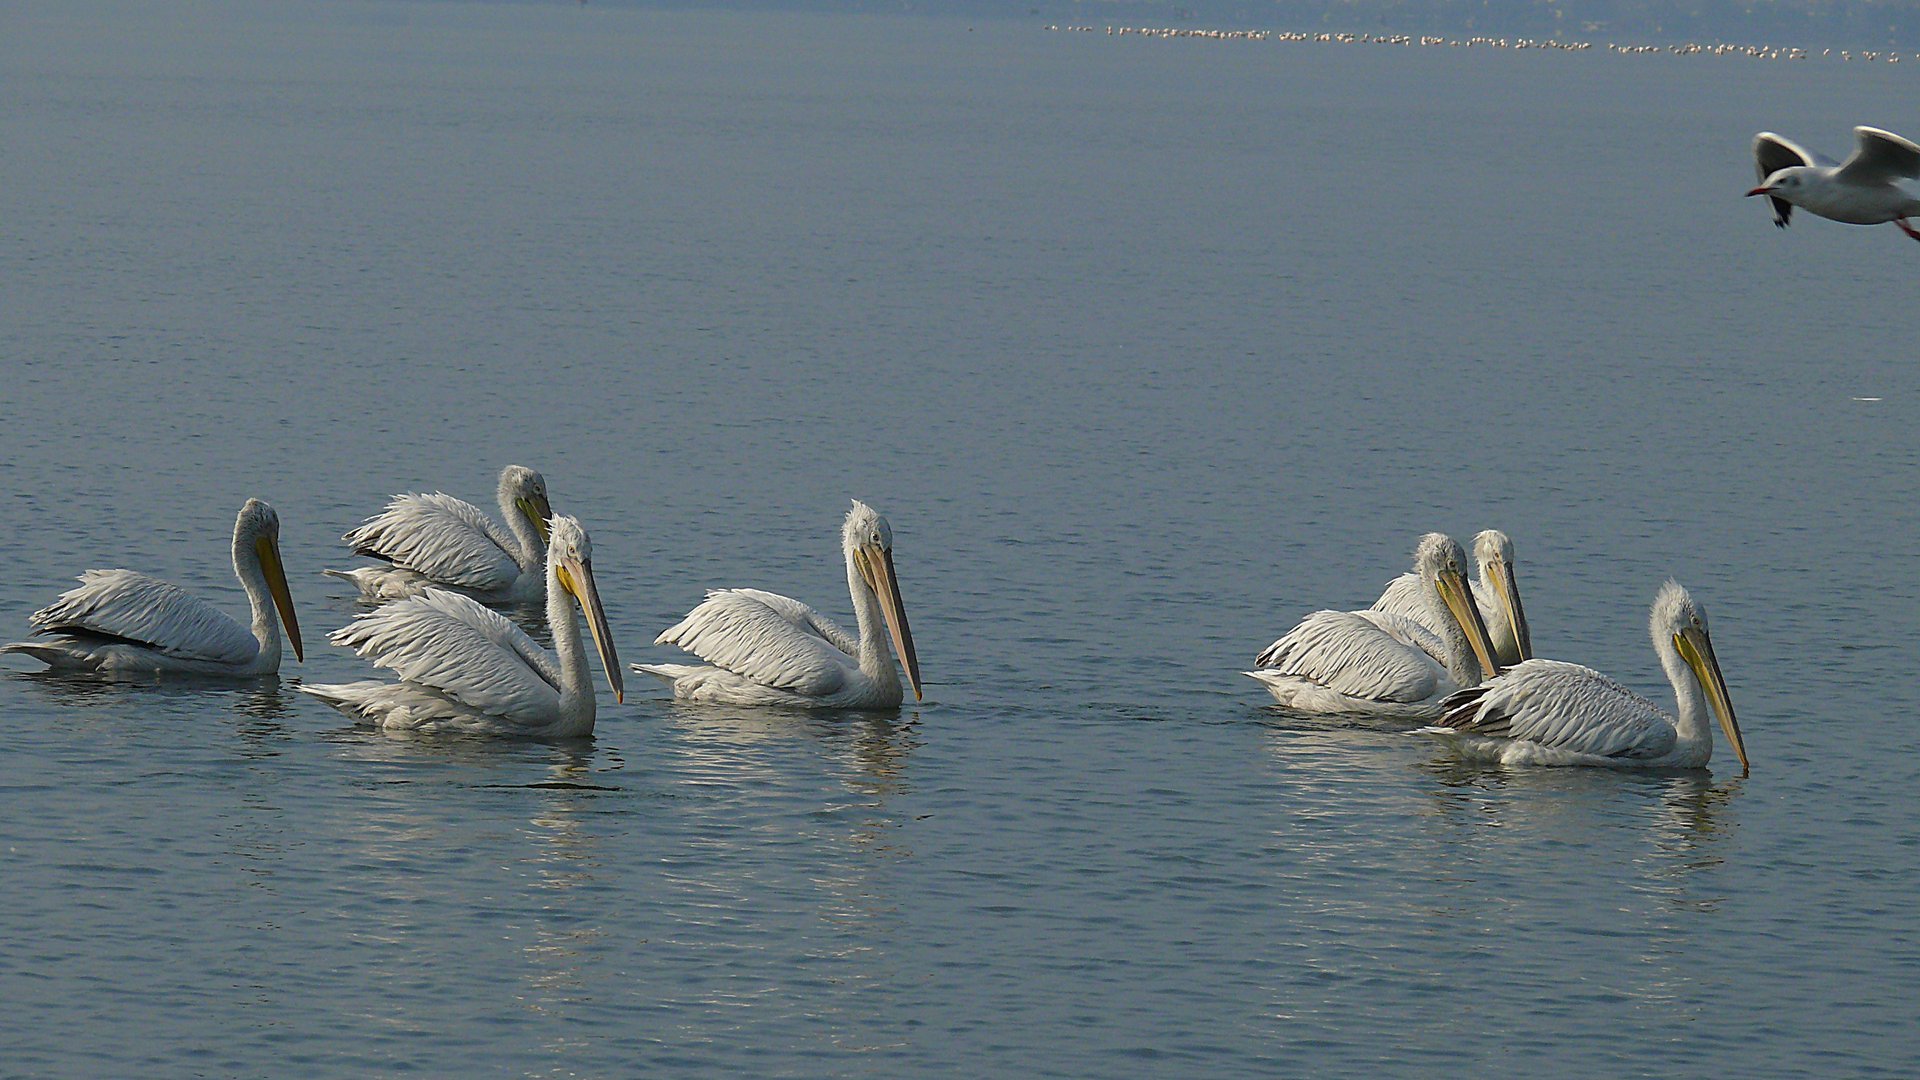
x=1784, y=183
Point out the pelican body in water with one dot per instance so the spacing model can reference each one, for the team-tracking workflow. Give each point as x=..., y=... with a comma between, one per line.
x=1381, y=663
x=125, y=622
x=762, y=648
x=442, y=542
x=1547, y=712
x=1496, y=593
x=466, y=668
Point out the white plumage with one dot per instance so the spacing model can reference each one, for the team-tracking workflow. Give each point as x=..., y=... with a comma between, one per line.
x=1496, y=595
x=1863, y=190
x=762, y=648
x=122, y=621
x=1547, y=712
x=442, y=542
x=1382, y=663
x=466, y=668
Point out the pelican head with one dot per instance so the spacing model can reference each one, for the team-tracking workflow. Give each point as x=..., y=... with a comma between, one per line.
x=1442, y=566
x=1783, y=183
x=570, y=554
x=1678, y=620
x=256, y=539
x=867, y=540
x=526, y=491
x=1494, y=552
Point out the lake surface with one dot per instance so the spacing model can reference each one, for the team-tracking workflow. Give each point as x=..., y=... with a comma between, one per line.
x=1146, y=348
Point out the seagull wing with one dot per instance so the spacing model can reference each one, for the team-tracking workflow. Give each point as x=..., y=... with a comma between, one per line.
x=468, y=652
x=1771, y=153
x=1564, y=706
x=1881, y=158
x=147, y=611
x=771, y=639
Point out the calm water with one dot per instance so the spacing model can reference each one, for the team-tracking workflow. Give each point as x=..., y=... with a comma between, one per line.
x=1146, y=348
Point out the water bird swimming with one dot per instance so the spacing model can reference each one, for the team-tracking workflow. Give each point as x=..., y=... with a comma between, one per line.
x=466, y=668
x=1859, y=191
x=1381, y=663
x=762, y=648
x=122, y=621
x=1496, y=593
x=439, y=541
x=1547, y=712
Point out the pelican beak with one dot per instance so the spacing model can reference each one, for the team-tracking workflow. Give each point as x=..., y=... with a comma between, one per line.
x=1761, y=190
x=268, y=550
x=577, y=578
x=1509, y=589
x=539, y=510
x=876, y=565
x=1697, y=651
x=1453, y=590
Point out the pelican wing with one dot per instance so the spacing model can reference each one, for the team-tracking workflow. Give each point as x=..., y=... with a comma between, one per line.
x=806, y=618
x=1564, y=706
x=451, y=643
x=447, y=539
x=1358, y=653
x=150, y=612
x=1881, y=158
x=771, y=639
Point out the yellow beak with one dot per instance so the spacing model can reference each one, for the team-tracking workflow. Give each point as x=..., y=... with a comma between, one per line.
x=268, y=550
x=539, y=511
x=876, y=565
x=577, y=578
x=1453, y=590
x=1509, y=590
x=1697, y=651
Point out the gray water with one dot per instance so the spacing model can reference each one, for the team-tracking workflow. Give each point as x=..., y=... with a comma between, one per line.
x=1146, y=348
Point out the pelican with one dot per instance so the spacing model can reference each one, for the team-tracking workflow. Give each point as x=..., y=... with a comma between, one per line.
x=440, y=541
x=1862, y=190
x=1382, y=663
x=121, y=621
x=762, y=648
x=465, y=668
x=1546, y=712
x=1496, y=593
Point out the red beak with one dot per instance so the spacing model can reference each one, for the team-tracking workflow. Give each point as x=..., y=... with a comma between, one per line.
x=1761, y=190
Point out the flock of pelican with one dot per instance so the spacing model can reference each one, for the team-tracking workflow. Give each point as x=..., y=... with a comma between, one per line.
x=1424, y=652
x=1432, y=649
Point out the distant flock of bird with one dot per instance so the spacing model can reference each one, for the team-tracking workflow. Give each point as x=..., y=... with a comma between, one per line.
x=1758, y=52
x=1431, y=648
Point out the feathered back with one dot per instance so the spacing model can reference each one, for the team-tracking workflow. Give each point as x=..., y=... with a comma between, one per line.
x=453, y=644
x=444, y=538
x=773, y=640
x=149, y=612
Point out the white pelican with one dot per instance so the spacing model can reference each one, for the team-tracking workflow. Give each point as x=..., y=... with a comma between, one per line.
x=121, y=621
x=1859, y=191
x=1380, y=663
x=439, y=541
x=1496, y=593
x=1545, y=712
x=762, y=648
x=466, y=668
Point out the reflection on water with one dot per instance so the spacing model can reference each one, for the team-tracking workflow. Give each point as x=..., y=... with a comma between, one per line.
x=794, y=825
x=565, y=856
